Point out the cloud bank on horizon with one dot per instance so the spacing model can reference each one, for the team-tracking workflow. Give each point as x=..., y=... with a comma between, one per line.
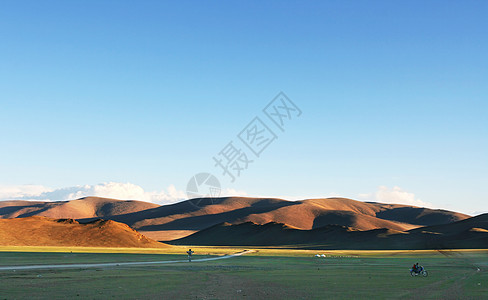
x=115, y=190
x=130, y=191
x=395, y=195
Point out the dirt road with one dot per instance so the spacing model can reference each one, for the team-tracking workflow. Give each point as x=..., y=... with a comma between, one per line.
x=124, y=264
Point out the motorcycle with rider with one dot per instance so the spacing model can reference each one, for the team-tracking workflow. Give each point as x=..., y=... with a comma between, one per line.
x=417, y=270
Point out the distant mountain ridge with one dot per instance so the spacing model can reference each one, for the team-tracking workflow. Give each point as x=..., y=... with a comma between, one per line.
x=177, y=220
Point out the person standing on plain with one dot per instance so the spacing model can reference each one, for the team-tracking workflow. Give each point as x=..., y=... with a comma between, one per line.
x=189, y=254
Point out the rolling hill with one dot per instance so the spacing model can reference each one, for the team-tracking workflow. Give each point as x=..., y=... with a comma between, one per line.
x=43, y=231
x=181, y=219
x=465, y=234
x=306, y=214
x=88, y=207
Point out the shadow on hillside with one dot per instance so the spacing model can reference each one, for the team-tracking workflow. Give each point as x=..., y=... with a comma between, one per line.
x=205, y=221
x=35, y=210
x=342, y=218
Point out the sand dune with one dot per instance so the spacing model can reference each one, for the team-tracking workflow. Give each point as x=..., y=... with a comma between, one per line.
x=43, y=231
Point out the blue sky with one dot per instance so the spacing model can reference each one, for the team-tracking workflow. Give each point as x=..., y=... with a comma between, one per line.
x=393, y=97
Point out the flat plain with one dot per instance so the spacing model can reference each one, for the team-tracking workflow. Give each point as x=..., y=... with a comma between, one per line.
x=264, y=274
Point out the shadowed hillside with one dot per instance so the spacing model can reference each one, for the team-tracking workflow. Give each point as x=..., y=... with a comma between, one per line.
x=42, y=231
x=306, y=214
x=470, y=233
x=177, y=220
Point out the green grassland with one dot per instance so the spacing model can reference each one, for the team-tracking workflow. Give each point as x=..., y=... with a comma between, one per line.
x=264, y=274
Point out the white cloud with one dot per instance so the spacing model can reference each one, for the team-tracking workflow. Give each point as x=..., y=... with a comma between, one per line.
x=116, y=190
x=395, y=195
x=232, y=193
x=13, y=192
x=478, y=212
